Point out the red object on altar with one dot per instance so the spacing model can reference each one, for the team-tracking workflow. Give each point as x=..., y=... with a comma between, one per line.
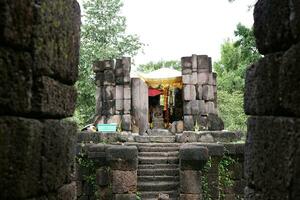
x=154, y=92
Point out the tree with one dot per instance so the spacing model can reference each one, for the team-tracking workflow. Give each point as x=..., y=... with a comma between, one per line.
x=151, y=66
x=236, y=56
x=103, y=36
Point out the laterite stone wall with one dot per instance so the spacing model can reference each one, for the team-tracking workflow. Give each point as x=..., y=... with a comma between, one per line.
x=39, y=53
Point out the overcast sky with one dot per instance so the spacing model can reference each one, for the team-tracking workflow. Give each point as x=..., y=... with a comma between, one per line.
x=175, y=28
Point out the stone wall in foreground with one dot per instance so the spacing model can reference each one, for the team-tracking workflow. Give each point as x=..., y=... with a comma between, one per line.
x=272, y=99
x=39, y=52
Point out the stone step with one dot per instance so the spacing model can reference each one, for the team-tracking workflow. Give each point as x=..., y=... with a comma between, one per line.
x=158, y=160
x=158, y=178
x=153, y=144
x=159, y=154
x=158, y=172
x=159, y=139
x=157, y=149
x=159, y=132
x=158, y=166
x=153, y=195
x=157, y=185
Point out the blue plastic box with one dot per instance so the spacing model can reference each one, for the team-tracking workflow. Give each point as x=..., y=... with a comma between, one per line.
x=107, y=127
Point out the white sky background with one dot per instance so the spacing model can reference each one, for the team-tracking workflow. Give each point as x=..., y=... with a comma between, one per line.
x=175, y=28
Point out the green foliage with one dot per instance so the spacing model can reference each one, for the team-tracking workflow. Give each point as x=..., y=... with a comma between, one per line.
x=231, y=110
x=204, y=181
x=87, y=166
x=236, y=56
x=103, y=36
x=225, y=176
x=151, y=66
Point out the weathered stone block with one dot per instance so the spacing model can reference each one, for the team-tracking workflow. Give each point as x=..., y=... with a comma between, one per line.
x=67, y=192
x=261, y=93
x=187, y=79
x=189, y=92
x=188, y=136
x=192, y=157
x=205, y=78
x=194, y=78
x=102, y=176
x=190, y=197
x=124, y=181
x=109, y=77
x=127, y=92
x=16, y=81
x=203, y=63
x=51, y=98
x=109, y=93
x=125, y=197
x=20, y=146
x=179, y=126
x=199, y=90
x=278, y=139
x=98, y=109
x=55, y=39
x=194, y=63
x=98, y=66
x=272, y=26
x=210, y=107
x=195, y=104
x=190, y=182
x=289, y=84
x=114, y=119
x=206, y=138
x=99, y=79
x=126, y=122
x=214, y=122
x=120, y=106
x=188, y=123
x=58, y=153
x=202, y=107
x=127, y=106
x=214, y=81
x=208, y=92
x=294, y=6
x=13, y=30
x=122, y=157
x=187, y=107
x=186, y=63
x=119, y=92
x=108, y=107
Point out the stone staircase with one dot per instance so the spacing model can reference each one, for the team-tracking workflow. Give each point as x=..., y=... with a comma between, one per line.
x=158, y=170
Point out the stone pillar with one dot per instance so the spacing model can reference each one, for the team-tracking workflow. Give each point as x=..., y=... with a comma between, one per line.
x=113, y=92
x=140, y=106
x=192, y=160
x=39, y=53
x=272, y=162
x=123, y=162
x=199, y=91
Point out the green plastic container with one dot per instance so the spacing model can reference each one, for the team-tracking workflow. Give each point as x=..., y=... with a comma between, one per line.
x=107, y=127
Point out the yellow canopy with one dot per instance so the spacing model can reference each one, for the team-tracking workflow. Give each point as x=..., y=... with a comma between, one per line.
x=163, y=78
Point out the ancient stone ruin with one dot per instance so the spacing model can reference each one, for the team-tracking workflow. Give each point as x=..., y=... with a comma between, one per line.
x=39, y=52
